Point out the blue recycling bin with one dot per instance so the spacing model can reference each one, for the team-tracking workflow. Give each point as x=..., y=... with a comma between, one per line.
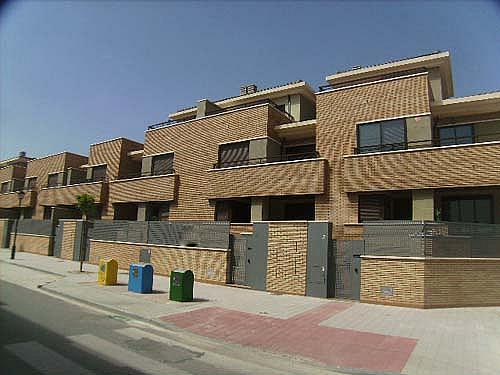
x=140, y=278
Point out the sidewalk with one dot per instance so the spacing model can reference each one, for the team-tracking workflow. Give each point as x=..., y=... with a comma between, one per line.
x=340, y=334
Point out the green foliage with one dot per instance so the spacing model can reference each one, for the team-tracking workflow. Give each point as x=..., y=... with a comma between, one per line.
x=85, y=204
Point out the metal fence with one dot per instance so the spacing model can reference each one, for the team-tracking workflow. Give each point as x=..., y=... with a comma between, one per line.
x=199, y=234
x=31, y=226
x=437, y=239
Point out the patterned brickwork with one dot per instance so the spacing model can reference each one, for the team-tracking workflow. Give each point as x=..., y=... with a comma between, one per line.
x=209, y=265
x=286, y=258
x=68, y=239
x=241, y=228
x=291, y=178
x=145, y=189
x=66, y=195
x=337, y=115
x=195, y=146
x=431, y=282
x=465, y=166
x=404, y=275
x=12, y=172
x=31, y=243
x=11, y=200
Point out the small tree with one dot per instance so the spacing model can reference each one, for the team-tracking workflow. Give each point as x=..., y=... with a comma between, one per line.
x=85, y=204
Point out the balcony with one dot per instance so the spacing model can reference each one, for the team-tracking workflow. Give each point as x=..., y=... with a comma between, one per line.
x=266, y=177
x=11, y=200
x=63, y=195
x=475, y=164
x=160, y=188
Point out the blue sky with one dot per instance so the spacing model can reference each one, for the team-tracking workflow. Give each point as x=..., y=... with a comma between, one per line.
x=77, y=72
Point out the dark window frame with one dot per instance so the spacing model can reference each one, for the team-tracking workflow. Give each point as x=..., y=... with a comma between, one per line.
x=5, y=184
x=454, y=127
x=233, y=163
x=162, y=172
x=379, y=147
x=31, y=184
x=474, y=198
x=56, y=174
x=99, y=167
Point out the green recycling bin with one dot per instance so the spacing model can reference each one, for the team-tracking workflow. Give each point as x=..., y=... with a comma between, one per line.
x=181, y=285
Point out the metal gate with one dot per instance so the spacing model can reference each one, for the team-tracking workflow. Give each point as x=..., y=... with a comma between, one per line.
x=319, y=279
x=239, y=259
x=256, y=266
x=348, y=268
x=58, y=240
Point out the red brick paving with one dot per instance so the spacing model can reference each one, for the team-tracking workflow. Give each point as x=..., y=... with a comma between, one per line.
x=301, y=335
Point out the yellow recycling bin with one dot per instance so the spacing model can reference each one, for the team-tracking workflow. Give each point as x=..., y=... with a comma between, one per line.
x=108, y=272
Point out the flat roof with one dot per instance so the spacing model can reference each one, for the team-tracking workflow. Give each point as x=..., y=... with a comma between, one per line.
x=299, y=87
x=468, y=105
x=440, y=60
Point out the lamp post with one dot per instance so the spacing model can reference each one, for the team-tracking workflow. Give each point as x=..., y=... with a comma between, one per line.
x=20, y=196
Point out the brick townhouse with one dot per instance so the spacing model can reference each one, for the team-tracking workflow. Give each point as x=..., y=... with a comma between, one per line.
x=377, y=143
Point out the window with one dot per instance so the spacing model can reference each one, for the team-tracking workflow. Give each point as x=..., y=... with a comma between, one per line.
x=53, y=180
x=163, y=164
x=391, y=206
x=474, y=209
x=382, y=136
x=5, y=187
x=99, y=173
x=234, y=154
x=47, y=213
x=31, y=183
x=300, y=152
x=456, y=135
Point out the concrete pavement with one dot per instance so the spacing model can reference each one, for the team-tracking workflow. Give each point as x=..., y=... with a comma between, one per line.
x=340, y=334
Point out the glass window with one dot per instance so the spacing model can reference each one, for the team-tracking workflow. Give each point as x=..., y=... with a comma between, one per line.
x=99, y=173
x=52, y=180
x=233, y=154
x=5, y=187
x=163, y=164
x=456, y=135
x=472, y=209
x=31, y=183
x=382, y=136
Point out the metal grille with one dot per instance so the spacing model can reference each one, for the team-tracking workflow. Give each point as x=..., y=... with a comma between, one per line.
x=31, y=226
x=213, y=234
x=436, y=239
x=200, y=234
x=345, y=279
x=239, y=259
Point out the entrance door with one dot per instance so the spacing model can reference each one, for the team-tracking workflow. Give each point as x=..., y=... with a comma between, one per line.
x=348, y=268
x=356, y=276
x=239, y=259
x=256, y=266
x=319, y=275
x=58, y=240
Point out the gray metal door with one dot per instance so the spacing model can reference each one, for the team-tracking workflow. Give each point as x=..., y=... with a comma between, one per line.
x=318, y=253
x=348, y=268
x=58, y=240
x=239, y=259
x=356, y=276
x=256, y=266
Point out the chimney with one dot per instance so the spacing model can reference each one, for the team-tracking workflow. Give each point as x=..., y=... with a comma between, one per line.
x=248, y=89
x=22, y=154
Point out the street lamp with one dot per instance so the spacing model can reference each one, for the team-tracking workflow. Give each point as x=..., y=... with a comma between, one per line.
x=20, y=196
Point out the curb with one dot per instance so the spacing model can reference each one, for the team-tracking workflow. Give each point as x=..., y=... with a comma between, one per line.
x=33, y=268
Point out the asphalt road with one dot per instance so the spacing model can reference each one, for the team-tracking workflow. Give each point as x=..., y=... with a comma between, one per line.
x=40, y=334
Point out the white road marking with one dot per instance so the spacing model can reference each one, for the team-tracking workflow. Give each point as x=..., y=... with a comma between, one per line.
x=117, y=354
x=45, y=360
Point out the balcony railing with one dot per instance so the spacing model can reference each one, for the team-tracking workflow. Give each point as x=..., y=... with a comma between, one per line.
x=146, y=174
x=434, y=142
x=222, y=110
x=270, y=159
x=76, y=182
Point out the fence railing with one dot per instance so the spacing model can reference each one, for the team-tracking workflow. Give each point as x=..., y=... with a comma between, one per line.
x=195, y=234
x=428, y=238
x=31, y=226
x=146, y=174
x=270, y=159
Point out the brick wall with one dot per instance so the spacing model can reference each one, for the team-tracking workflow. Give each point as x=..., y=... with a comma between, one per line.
x=431, y=282
x=286, y=258
x=241, y=228
x=209, y=265
x=31, y=243
x=12, y=172
x=292, y=178
x=195, y=144
x=404, y=275
x=464, y=166
x=3, y=224
x=66, y=195
x=68, y=239
x=11, y=200
x=145, y=189
x=337, y=115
